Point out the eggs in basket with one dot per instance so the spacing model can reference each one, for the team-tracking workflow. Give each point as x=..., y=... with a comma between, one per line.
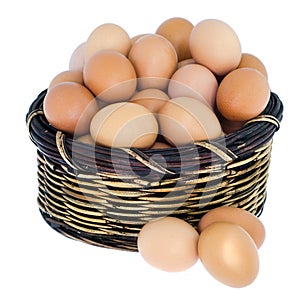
x=183, y=83
x=180, y=85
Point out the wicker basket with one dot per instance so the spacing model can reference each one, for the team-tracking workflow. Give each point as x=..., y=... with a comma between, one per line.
x=104, y=196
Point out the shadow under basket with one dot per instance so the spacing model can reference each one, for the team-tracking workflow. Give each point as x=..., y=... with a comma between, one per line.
x=103, y=196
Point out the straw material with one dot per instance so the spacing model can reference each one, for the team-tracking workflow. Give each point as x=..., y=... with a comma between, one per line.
x=103, y=196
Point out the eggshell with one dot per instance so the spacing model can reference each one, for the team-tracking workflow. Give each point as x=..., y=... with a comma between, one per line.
x=229, y=254
x=238, y=216
x=160, y=145
x=214, y=44
x=136, y=37
x=86, y=139
x=110, y=76
x=107, y=36
x=251, y=61
x=124, y=124
x=169, y=244
x=196, y=81
x=243, y=94
x=184, y=120
x=67, y=76
x=154, y=59
x=185, y=62
x=70, y=107
x=177, y=31
x=153, y=99
x=77, y=59
x=229, y=126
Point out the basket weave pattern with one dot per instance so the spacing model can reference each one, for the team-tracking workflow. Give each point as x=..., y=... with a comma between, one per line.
x=104, y=196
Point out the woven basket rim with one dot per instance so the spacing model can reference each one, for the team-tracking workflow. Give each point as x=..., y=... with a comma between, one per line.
x=238, y=145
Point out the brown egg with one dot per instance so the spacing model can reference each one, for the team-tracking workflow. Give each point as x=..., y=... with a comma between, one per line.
x=86, y=139
x=229, y=126
x=107, y=36
x=153, y=99
x=238, y=216
x=229, y=254
x=169, y=244
x=154, y=59
x=69, y=107
x=214, y=44
x=110, y=76
x=177, y=31
x=77, y=59
x=184, y=120
x=243, y=94
x=136, y=37
x=251, y=61
x=124, y=124
x=185, y=62
x=67, y=76
x=160, y=145
x=196, y=81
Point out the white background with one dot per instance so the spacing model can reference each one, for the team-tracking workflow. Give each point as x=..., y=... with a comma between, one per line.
x=37, y=39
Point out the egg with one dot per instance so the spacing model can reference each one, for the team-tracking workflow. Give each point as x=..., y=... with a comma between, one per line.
x=160, y=145
x=185, y=62
x=136, y=37
x=177, y=31
x=70, y=107
x=86, y=139
x=77, y=59
x=67, y=76
x=251, y=61
x=107, y=36
x=124, y=124
x=239, y=216
x=229, y=254
x=184, y=120
x=168, y=244
x=196, y=81
x=153, y=99
x=154, y=59
x=214, y=44
x=110, y=76
x=243, y=94
x=229, y=126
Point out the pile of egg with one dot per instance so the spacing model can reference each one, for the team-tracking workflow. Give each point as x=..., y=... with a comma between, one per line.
x=183, y=83
x=226, y=241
